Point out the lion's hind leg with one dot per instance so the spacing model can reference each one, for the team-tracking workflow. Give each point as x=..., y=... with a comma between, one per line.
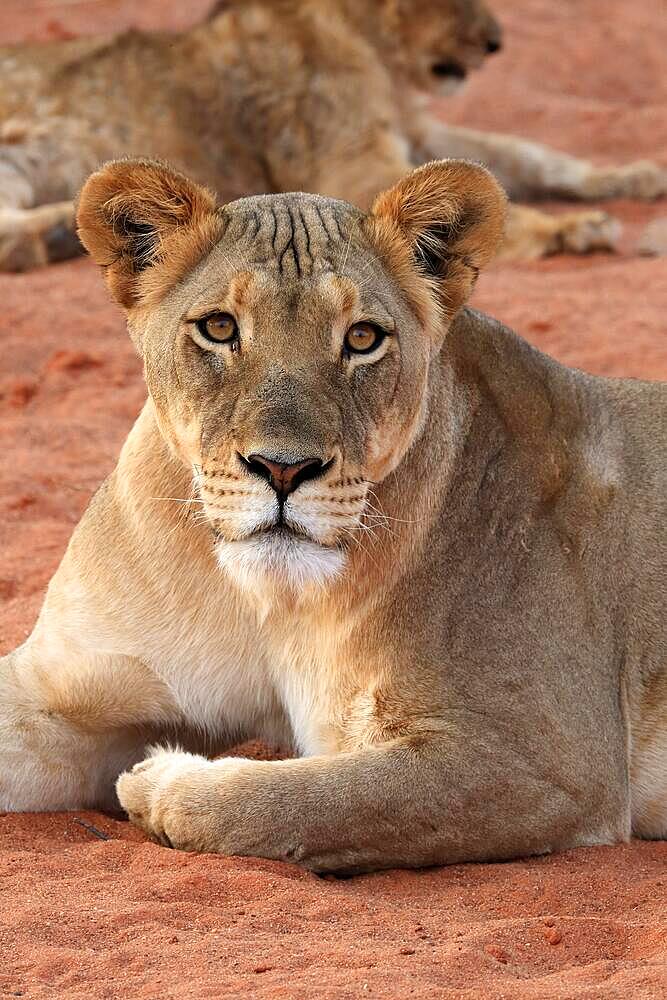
x=68, y=727
x=37, y=214
x=33, y=237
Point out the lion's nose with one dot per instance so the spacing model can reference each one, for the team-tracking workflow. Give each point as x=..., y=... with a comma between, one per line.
x=284, y=477
x=493, y=45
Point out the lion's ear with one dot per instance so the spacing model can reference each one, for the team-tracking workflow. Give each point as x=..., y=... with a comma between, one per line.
x=449, y=217
x=136, y=214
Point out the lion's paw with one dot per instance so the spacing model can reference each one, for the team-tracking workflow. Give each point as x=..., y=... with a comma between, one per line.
x=644, y=180
x=155, y=795
x=585, y=232
x=653, y=241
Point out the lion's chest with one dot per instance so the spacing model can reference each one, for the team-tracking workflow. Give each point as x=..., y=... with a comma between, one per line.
x=317, y=679
x=282, y=679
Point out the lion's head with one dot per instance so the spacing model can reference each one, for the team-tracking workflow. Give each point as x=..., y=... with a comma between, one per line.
x=288, y=340
x=432, y=43
x=440, y=41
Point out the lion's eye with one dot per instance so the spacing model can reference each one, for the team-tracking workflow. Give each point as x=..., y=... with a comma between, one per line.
x=220, y=328
x=362, y=338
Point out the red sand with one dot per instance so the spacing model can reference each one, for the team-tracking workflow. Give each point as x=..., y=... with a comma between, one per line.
x=92, y=918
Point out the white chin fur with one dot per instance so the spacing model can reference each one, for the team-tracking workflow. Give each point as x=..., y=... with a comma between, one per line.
x=279, y=559
x=449, y=87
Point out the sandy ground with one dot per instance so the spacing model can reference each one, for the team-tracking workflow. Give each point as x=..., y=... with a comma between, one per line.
x=87, y=908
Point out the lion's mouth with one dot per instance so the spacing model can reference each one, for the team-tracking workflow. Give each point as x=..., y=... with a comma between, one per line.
x=279, y=532
x=279, y=553
x=282, y=529
x=449, y=70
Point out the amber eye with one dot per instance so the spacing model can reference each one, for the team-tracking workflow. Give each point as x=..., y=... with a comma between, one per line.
x=220, y=328
x=362, y=338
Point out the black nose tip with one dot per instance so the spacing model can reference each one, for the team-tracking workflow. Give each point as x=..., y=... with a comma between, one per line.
x=284, y=477
x=493, y=45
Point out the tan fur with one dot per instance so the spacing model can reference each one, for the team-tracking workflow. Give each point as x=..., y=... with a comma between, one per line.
x=274, y=95
x=459, y=623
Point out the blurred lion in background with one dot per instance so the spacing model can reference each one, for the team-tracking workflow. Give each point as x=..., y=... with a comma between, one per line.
x=328, y=96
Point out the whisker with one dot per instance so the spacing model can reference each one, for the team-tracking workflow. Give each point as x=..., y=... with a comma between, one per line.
x=376, y=525
x=390, y=517
x=358, y=541
x=184, y=518
x=179, y=499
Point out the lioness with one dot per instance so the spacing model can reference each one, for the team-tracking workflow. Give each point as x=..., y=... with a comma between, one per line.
x=275, y=95
x=356, y=517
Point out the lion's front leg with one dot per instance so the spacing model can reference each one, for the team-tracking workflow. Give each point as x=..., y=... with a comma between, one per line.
x=530, y=234
x=349, y=813
x=529, y=170
x=410, y=803
x=69, y=726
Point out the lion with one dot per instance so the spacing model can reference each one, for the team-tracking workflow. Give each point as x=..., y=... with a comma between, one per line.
x=276, y=95
x=359, y=519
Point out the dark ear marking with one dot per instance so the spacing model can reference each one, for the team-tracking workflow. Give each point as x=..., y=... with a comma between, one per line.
x=430, y=250
x=125, y=226
x=448, y=216
x=134, y=215
x=433, y=254
x=140, y=241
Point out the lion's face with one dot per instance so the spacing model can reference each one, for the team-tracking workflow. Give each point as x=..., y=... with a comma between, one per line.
x=290, y=374
x=287, y=342
x=443, y=40
x=437, y=42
